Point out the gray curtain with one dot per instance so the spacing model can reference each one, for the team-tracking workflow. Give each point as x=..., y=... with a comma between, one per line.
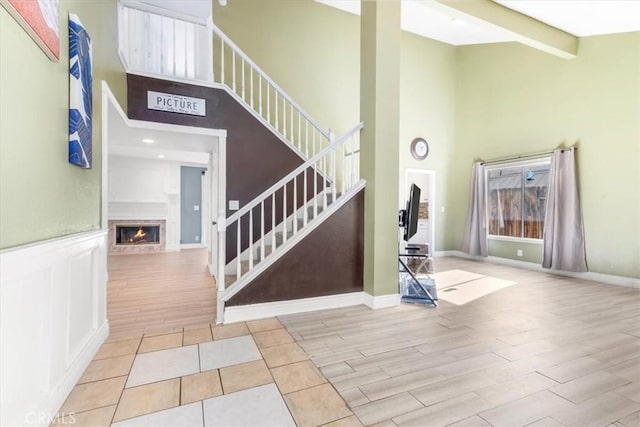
x=563, y=228
x=475, y=236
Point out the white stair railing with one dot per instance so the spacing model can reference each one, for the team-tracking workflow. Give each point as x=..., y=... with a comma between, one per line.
x=296, y=194
x=234, y=69
x=160, y=41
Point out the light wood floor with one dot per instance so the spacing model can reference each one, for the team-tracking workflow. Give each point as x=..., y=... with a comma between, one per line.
x=548, y=351
x=150, y=292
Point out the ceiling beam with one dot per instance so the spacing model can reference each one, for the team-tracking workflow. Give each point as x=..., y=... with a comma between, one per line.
x=526, y=30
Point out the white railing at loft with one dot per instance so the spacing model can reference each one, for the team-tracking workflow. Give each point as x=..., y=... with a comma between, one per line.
x=294, y=199
x=159, y=41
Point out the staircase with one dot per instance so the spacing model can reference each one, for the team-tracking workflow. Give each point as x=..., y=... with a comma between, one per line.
x=267, y=227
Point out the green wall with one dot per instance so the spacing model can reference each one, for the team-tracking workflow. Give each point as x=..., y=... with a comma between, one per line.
x=310, y=50
x=511, y=99
x=42, y=196
x=427, y=109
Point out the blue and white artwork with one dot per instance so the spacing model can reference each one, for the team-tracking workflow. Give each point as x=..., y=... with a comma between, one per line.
x=80, y=94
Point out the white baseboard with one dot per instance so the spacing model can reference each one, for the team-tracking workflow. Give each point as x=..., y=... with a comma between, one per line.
x=589, y=275
x=52, y=322
x=381, y=301
x=242, y=313
x=191, y=246
x=75, y=371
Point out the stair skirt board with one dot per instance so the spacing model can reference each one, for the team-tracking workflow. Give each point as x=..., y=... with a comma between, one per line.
x=286, y=246
x=241, y=313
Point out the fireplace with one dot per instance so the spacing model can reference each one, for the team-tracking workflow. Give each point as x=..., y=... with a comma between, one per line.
x=137, y=234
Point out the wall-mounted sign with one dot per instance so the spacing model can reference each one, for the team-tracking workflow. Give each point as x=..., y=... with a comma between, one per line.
x=176, y=103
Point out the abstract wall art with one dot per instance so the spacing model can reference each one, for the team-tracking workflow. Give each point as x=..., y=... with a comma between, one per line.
x=80, y=94
x=40, y=19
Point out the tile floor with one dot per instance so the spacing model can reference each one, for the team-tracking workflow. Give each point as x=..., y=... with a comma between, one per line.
x=245, y=374
x=546, y=351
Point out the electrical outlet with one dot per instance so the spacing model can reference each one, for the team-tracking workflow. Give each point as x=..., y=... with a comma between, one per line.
x=519, y=252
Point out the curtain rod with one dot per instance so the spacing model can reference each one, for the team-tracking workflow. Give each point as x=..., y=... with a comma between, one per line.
x=525, y=156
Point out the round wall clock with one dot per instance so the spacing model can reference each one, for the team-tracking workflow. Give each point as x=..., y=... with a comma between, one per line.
x=419, y=148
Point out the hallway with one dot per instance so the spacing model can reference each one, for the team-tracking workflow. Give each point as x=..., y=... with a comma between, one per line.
x=151, y=292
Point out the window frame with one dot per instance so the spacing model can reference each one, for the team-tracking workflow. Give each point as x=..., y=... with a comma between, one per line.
x=541, y=161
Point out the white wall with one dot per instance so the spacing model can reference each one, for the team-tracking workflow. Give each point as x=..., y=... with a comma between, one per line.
x=146, y=189
x=52, y=322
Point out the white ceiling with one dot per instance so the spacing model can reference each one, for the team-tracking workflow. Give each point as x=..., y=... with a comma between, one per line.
x=126, y=140
x=582, y=18
x=436, y=21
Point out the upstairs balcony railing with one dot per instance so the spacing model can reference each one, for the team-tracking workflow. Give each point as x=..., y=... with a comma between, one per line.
x=159, y=41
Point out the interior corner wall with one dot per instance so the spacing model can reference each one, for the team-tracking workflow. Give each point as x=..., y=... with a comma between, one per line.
x=42, y=195
x=310, y=50
x=427, y=110
x=511, y=99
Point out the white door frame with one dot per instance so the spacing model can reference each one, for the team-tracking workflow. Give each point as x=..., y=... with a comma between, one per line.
x=432, y=201
x=217, y=180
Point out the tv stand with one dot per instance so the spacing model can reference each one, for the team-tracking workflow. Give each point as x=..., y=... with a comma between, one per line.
x=418, y=257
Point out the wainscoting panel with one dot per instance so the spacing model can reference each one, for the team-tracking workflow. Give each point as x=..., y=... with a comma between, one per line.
x=52, y=322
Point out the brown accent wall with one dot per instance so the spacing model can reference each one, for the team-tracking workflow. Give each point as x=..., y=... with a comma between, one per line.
x=328, y=261
x=256, y=158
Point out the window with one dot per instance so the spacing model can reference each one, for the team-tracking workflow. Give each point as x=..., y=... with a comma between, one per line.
x=517, y=198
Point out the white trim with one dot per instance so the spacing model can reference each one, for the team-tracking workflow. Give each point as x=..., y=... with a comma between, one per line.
x=381, y=301
x=515, y=239
x=270, y=309
x=56, y=291
x=192, y=246
x=590, y=275
x=57, y=398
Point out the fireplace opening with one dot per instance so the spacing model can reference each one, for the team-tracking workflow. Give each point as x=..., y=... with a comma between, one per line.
x=137, y=234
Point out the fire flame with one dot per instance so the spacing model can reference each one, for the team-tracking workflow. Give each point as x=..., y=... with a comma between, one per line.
x=140, y=234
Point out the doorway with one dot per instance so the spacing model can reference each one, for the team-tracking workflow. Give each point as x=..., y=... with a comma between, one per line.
x=191, y=206
x=426, y=181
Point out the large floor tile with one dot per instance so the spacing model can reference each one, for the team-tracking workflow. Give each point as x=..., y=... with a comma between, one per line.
x=227, y=352
x=443, y=413
x=163, y=365
x=256, y=407
x=100, y=417
x=271, y=338
x=231, y=330
x=181, y=416
x=197, y=336
x=118, y=348
x=297, y=376
x=107, y=368
x=160, y=342
x=283, y=355
x=385, y=409
x=589, y=386
x=94, y=395
x=351, y=421
x=526, y=410
x=243, y=376
x=598, y=411
x=148, y=398
x=200, y=386
x=316, y=406
x=264, y=325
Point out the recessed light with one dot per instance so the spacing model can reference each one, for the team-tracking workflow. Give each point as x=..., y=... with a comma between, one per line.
x=148, y=141
x=161, y=156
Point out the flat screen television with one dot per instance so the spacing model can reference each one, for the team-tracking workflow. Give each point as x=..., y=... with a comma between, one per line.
x=410, y=215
